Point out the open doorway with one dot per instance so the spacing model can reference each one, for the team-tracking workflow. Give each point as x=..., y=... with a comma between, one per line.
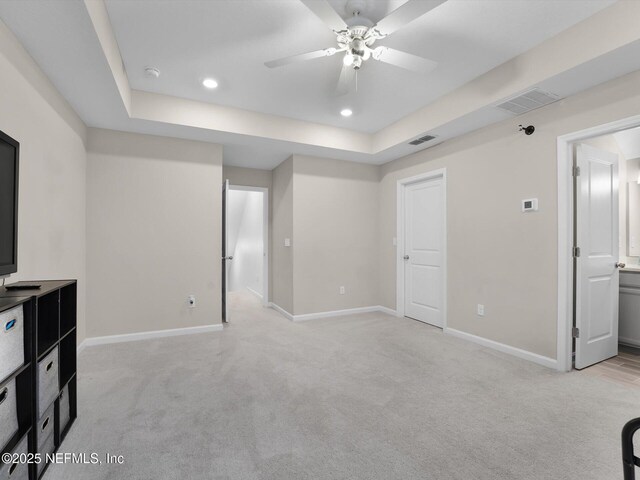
x=599, y=279
x=246, y=227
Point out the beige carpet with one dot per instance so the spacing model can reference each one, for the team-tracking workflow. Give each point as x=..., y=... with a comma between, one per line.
x=362, y=397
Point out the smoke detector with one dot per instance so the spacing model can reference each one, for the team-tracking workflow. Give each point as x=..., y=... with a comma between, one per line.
x=151, y=72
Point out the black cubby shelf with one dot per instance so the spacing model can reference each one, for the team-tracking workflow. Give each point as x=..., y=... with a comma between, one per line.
x=50, y=321
x=68, y=351
x=68, y=308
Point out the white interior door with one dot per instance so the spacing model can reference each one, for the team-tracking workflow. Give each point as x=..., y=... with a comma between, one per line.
x=424, y=251
x=226, y=258
x=597, y=237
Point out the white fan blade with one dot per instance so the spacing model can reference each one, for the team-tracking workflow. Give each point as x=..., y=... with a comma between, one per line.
x=346, y=77
x=326, y=13
x=404, y=60
x=404, y=14
x=327, y=52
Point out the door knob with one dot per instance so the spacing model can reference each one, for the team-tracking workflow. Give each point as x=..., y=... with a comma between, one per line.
x=406, y=257
x=620, y=265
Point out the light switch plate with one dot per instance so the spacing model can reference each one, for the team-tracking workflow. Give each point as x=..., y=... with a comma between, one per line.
x=287, y=242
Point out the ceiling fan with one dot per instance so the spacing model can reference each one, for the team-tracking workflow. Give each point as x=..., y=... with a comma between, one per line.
x=357, y=35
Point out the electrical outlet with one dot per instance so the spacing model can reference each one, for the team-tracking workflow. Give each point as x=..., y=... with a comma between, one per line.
x=342, y=290
x=287, y=242
x=191, y=300
x=481, y=310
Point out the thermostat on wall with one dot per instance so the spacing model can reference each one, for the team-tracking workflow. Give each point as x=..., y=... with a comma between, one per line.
x=530, y=205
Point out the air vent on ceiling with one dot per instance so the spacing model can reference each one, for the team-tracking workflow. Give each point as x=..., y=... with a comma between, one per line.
x=421, y=140
x=527, y=101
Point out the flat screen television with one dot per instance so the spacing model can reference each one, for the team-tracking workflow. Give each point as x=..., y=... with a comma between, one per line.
x=9, y=159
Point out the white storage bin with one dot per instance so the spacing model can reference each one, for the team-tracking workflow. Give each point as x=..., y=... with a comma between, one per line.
x=18, y=470
x=45, y=426
x=47, y=447
x=46, y=438
x=8, y=412
x=65, y=408
x=48, y=383
x=11, y=341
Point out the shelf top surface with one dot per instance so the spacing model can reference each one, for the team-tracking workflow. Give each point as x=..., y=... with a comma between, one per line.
x=7, y=303
x=46, y=286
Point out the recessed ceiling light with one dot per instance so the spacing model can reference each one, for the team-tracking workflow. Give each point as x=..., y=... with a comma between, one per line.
x=209, y=83
x=346, y=112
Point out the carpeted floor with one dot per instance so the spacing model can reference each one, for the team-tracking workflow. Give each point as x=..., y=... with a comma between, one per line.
x=362, y=397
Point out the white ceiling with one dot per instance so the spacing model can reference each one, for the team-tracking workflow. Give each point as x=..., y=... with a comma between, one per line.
x=230, y=40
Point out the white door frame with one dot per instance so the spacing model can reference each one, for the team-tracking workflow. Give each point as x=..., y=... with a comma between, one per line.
x=400, y=214
x=265, y=234
x=565, y=231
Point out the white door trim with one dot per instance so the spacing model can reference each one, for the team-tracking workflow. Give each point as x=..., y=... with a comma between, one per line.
x=402, y=183
x=565, y=230
x=265, y=233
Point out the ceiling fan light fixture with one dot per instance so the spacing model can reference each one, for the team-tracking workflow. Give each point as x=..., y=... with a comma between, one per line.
x=357, y=35
x=346, y=112
x=209, y=83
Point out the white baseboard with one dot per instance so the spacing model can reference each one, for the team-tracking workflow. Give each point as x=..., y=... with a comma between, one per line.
x=134, y=337
x=81, y=347
x=281, y=310
x=629, y=341
x=251, y=290
x=333, y=313
x=501, y=347
x=389, y=311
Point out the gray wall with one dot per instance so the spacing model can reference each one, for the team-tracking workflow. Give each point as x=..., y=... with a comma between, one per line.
x=498, y=256
x=154, y=214
x=282, y=258
x=52, y=205
x=335, y=225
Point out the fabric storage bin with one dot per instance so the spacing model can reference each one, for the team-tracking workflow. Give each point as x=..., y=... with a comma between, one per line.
x=46, y=438
x=17, y=471
x=48, y=383
x=45, y=426
x=11, y=341
x=65, y=408
x=8, y=412
x=47, y=447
